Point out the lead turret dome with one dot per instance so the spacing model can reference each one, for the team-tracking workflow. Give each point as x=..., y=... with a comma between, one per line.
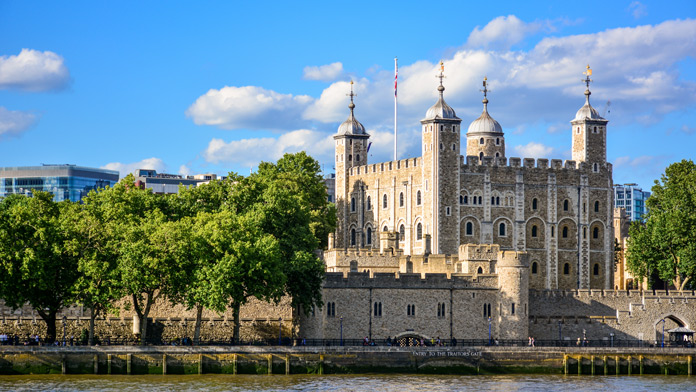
x=485, y=123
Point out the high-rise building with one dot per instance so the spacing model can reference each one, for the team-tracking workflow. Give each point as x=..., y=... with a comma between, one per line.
x=632, y=198
x=66, y=182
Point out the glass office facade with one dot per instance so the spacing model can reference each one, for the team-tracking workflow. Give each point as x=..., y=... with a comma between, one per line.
x=66, y=182
x=631, y=198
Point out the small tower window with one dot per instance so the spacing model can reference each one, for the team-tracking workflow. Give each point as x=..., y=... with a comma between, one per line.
x=584, y=233
x=479, y=270
x=497, y=141
x=448, y=211
x=595, y=233
x=442, y=147
x=481, y=141
x=418, y=198
x=385, y=229
x=565, y=232
x=534, y=204
x=469, y=228
x=402, y=233
x=352, y=237
x=401, y=199
x=535, y=268
x=350, y=157
x=352, y=204
x=480, y=200
x=594, y=130
x=497, y=155
x=534, y=231
x=566, y=269
x=454, y=147
x=481, y=156
x=461, y=199
x=419, y=232
x=595, y=269
x=501, y=229
x=596, y=206
x=565, y=205
x=357, y=157
x=368, y=240
x=595, y=168
x=384, y=201
x=553, y=232
x=369, y=203
x=466, y=199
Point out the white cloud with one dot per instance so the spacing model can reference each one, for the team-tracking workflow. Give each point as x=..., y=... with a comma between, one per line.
x=325, y=73
x=501, y=32
x=534, y=150
x=14, y=122
x=249, y=152
x=688, y=130
x=32, y=70
x=637, y=9
x=634, y=162
x=248, y=107
x=125, y=168
x=184, y=170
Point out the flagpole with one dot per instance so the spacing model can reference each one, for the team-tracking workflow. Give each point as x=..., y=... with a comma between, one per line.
x=396, y=76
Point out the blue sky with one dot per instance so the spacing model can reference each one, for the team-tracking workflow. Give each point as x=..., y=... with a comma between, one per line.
x=203, y=87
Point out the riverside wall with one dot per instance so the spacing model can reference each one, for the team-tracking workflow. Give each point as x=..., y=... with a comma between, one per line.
x=320, y=360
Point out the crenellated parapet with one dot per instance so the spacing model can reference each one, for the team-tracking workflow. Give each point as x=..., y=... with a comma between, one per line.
x=334, y=280
x=385, y=167
x=471, y=163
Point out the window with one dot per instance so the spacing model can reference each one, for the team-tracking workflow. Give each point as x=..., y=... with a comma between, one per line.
x=369, y=203
x=418, y=198
x=481, y=156
x=454, y=148
x=501, y=229
x=350, y=157
x=584, y=233
x=401, y=199
x=480, y=200
x=486, y=310
x=369, y=236
x=513, y=308
x=596, y=206
x=534, y=231
x=378, y=309
x=566, y=269
x=553, y=232
x=448, y=211
x=385, y=229
x=565, y=205
x=331, y=309
x=534, y=204
x=466, y=199
x=442, y=147
x=411, y=310
x=469, y=228
x=497, y=141
x=352, y=237
x=481, y=141
x=419, y=232
x=497, y=155
x=352, y=204
x=595, y=269
x=384, y=201
x=595, y=233
x=595, y=168
x=497, y=200
x=441, y=310
x=473, y=200
x=461, y=199
x=402, y=233
x=479, y=270
x=353, y=266
x=535, y=268
x=357, y=157
x=565, y=232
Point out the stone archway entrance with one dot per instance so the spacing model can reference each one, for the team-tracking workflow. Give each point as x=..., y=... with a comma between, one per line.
x=670, y=322
x=410, y=339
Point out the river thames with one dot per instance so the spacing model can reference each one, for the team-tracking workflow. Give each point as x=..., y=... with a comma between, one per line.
x=372, y=383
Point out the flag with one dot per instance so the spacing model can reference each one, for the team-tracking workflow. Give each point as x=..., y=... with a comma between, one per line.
x=396, y=76
x=368, y=146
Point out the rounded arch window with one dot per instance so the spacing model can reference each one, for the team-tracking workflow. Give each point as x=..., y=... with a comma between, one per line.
x=442, y=147
x=385, y=228
x=401, y=199
x=596, y=206
x=595, y=232
x=534, y=203
x=501, y=229
x=357, y=157
x=535, y=268
x=534, y=231
x=419, y=231
x=350, y=157
x=352, y=204
x=595, y=269
x=566, y=269
x=454, y=147
x=566, y=205
x=402, y=233
x=479, y=271
x=369, y=203
x=469, y=228
x=369, y=236
x=497, y=155
x=418, y=198
x=497, y=141
x=481, y=141
x=481, y=156
x=384, y=201
x=565, y=232
x=352, y=237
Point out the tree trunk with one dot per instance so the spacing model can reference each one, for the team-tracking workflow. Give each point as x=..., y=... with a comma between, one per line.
x=50, y=320
x=142, y=314
x=92, y=317
x=235, y=318
x=197, y=329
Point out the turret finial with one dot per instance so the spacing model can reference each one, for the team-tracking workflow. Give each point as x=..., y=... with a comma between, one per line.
x=351, y=95
x=441, y=76
x=587, y=82
x=485, y=91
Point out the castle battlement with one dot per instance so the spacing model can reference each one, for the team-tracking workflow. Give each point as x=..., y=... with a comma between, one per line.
x=471, y=161
x=334, y=280
x=652, y=294
x=488, y=252
x=386, y=166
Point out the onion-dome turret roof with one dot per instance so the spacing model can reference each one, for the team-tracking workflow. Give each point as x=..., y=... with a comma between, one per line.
x=485, y=123
x=441, y=110
x=351, y=126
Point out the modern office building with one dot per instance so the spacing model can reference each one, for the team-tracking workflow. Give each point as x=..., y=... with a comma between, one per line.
x=168, y=183
x=632, y=198
x=330, y=183
x=66, y=182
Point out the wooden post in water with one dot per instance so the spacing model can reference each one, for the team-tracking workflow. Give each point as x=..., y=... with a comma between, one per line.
x=200, y=363
x=108, y=363
x=287, y=364
x=689, y=360
x=618, y=367
x=565, y=364
x=234, y=363
x=640, y=359
x=164, y=364
x=579, y=365
x=592, y=359
x=321, y=364
x=630, y=365
x=606, y=368
x=270, y=364
x=96, y=364
x=129, y=359
x=63, y=365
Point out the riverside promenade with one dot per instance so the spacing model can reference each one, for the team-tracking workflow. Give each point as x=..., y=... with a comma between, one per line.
x=264, y=360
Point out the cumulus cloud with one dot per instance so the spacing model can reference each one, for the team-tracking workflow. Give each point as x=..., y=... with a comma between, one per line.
x=14, y=122
x=32, y=70
x=688, y=130
x=184, y=170
x=126, y=168
x=502, y=32
x=325, y=73
x=248, y=107
x=534, y=150
x=637, y=9
x=249, y=152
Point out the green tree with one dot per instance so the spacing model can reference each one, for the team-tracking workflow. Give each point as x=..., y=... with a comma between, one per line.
x=35, y=268
x=666, y=242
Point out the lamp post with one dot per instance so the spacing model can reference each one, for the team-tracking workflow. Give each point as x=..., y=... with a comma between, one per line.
x=64, y=320
x=489, y=331
x=341, y=330
x=611, y=335
x=663, y=332
x=560, y=338
x=280, y=331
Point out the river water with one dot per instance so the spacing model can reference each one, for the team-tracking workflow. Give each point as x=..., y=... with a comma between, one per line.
x=371, y=383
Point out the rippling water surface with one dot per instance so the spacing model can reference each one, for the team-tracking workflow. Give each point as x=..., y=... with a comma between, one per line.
x=371, y=383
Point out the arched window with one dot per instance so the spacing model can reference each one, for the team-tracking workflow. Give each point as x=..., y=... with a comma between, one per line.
x=469, y=228
x=565, y=205
x=497, y=200
x=595, y=168
x=596, y=206
x=402, y=233
x=501, y=229
x=369, y=203
x=401, y=199
x=461, y=199
x=481, y=141
x=385, y=229
x=473, y=200
x=384, y=201
x=534, y=204
x=354, y=266
x=352, y=204
x=418, y=198
x=357, y=157
x=497, y=141
x=350, y=157
x=595, y=269
x=584, y=233
x=466, y=199
x=595, y=232
x=534, y=231
x=481, y=156
x=352, y=237
x=480, y=198
x=535, y=268
x=565, y=232
x=419, y=231
x=369, y=236
x=566, y=269
x=454, y=148
x=497, y=155
x=553, y=232
x=479, y=270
